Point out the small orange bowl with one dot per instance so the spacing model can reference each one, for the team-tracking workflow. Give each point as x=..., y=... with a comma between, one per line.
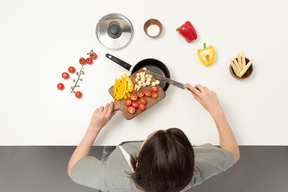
x=246, y=75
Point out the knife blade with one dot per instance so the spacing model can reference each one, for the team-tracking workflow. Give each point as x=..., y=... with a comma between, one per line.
x=170, y=81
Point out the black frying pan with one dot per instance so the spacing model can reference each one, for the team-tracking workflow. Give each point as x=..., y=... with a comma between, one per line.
x=153, y=65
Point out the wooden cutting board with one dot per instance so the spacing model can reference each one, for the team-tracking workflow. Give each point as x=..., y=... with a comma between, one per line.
x=119, y=104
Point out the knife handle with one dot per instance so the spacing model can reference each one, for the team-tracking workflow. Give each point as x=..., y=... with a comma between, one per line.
x=191, y=90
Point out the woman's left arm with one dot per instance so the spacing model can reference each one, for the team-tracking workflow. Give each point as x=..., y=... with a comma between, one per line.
x=100, y=118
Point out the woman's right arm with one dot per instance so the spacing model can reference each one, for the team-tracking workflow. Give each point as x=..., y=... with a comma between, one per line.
x=208, y=99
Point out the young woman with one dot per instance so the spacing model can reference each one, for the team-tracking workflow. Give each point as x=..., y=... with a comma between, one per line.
x=164, y=162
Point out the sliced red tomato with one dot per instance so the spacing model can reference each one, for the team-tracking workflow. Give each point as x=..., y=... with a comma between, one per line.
x=148, y=93
x=65, y=75
x=131, y=110
x=140, y=94
x=143, y=100
x=78, y=94
x=135, y=104
x=133, y=97
x=60, y=86
x=89, y=60
x=154, y=89
x=141, y=107
x=71, y=69
x=154, y=95
x=82, y=61
x=128, y=102
x=93, y=55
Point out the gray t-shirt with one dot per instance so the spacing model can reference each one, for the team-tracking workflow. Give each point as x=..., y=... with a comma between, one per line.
x=111, y=175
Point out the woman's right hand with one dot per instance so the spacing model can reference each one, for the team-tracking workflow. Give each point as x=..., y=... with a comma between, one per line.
x=207, y=98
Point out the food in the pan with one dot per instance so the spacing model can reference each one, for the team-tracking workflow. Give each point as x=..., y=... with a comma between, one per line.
x=239, y=65
x=157, y=82
x=187, y=31
x=142, y=79
x=206, y=55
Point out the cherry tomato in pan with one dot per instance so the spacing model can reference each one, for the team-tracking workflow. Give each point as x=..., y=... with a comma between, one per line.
x=78, y=94
x=143, y=100
x=135, y=104
x=65, y=75
x=154, y=89
x=71, y=69
x=128, y=102
x=82, y=61
x=148, y=93
x=93, y=55
x=89, y=60
x=131, y=110
x=154, y=95
x=140, y=94
x=141, y=107
x=60, y=86
x=133, y=97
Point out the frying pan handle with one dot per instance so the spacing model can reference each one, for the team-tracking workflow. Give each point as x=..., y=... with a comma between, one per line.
x=119, y=61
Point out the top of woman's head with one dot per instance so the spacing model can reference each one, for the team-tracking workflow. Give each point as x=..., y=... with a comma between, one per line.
x=165, y=162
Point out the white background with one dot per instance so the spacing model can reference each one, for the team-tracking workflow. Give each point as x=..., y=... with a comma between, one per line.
x=40, y=39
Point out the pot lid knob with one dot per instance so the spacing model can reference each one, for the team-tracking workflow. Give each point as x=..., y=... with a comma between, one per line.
x=114, y=31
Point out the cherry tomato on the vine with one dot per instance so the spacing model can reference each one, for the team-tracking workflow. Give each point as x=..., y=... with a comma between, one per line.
x=60, y=86
x=65, y=75
x=78, y=94
x=82, y=61
x=93, y=55
x=89, y=60
x=71, y=69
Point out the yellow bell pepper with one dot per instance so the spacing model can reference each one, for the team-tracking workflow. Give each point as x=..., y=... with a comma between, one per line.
x=122, y=90
x=130, y=84
x=206, y=55
x=122, y=87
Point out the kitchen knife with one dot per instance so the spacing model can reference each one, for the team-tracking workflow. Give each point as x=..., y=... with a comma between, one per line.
x=170, y=81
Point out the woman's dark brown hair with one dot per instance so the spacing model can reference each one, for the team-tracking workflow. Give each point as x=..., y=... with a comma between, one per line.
x=165, y=162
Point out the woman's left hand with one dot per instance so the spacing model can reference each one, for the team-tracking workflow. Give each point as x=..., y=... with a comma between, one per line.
x=102, y=116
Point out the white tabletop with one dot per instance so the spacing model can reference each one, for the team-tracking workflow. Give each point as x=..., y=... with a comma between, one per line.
x=41, y=39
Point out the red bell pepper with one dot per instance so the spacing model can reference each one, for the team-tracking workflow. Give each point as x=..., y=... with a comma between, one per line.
x=187, y=31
